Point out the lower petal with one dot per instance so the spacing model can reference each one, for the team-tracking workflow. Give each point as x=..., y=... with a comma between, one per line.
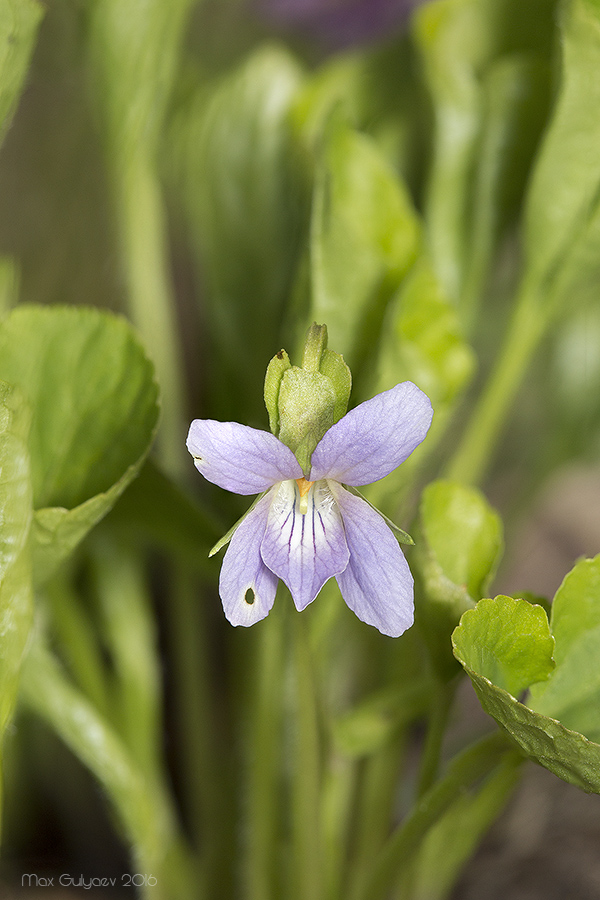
x=304, y=549
x=246, y=586
x=377, y=584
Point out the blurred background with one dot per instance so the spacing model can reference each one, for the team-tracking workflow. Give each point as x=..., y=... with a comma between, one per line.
x=229, y=252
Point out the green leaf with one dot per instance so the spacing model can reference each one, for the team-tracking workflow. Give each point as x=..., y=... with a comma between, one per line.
x=506, y=641
x=453, y=839
x=463, y=535
x=19, y=21
x=16, y=595
x=504, y=645
x=134, y=50
x=470, y=52
x=244, y=198
x=567, y=753
x=457, y=548
x=453, y=41
x=94, y=410
x=572, y=693
x=364, y=238
x=566, y=181
x=422, y=341
x=515, y=101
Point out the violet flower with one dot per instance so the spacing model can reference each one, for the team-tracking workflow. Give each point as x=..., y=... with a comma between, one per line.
x=307, y=530
x=339, y=23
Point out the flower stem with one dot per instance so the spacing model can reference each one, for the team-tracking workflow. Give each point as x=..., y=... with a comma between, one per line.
x=436, y=729
x=264, y=764
x=464, y=771
x=142, y=805
x=306, y=773
x=204, y=770
x=381, y=775
x=149, y=295
x=473, y=456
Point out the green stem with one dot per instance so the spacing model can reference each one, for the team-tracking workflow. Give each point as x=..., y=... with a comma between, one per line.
x=265, y=758
x=378, y=799
x=338, y=792
x=306, y=774
x=436, y=729
x=143, y=806
x=149, y=296
x=465, y=770
x=77, y=639
x=205, y=769
x=473, y=456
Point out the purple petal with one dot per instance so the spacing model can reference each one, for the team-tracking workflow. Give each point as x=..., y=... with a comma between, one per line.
x=246, y=586
x=240, y=459
x=377, y=584
x=373, y=439
x=304, y=549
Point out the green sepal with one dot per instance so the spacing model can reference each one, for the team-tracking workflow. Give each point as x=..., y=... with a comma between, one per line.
x=275, y=372
x=222, y=542
x=333, y=367
x=306, y=408
x=314, y=347
x=403, y=537
x=303, y=402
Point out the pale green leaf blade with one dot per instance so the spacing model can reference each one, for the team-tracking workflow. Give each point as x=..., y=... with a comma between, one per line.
x=506, y=641
x=245, y=201
x=364, y=238
x=505, y=646
x=457, y=547
x=567, y=753
x=572, y=694
x=453, y=41
x=92, y=394
x=462, y=533
x=94, y=410
x=566, y=179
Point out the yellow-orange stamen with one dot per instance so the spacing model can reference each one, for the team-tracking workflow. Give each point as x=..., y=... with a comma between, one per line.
x=304, y=486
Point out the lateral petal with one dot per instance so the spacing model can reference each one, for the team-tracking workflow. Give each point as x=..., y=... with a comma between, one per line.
x=377, y=584
x=304, y=549
x=373, y=439
x=238, y=458
x=247, y=588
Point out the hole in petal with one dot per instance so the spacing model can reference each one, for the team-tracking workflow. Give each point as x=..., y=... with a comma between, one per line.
x=249, y=597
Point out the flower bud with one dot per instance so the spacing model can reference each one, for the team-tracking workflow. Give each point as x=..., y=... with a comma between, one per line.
x=303, y=402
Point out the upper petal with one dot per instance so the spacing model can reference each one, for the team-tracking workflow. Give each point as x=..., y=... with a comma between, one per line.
x=246, y=586
x=377, y=584
x=304, y=549
x=373, y=439
x=238, y=458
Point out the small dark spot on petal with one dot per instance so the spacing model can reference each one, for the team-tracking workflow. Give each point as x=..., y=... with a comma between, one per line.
x=249, y=597
x=280, y=354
